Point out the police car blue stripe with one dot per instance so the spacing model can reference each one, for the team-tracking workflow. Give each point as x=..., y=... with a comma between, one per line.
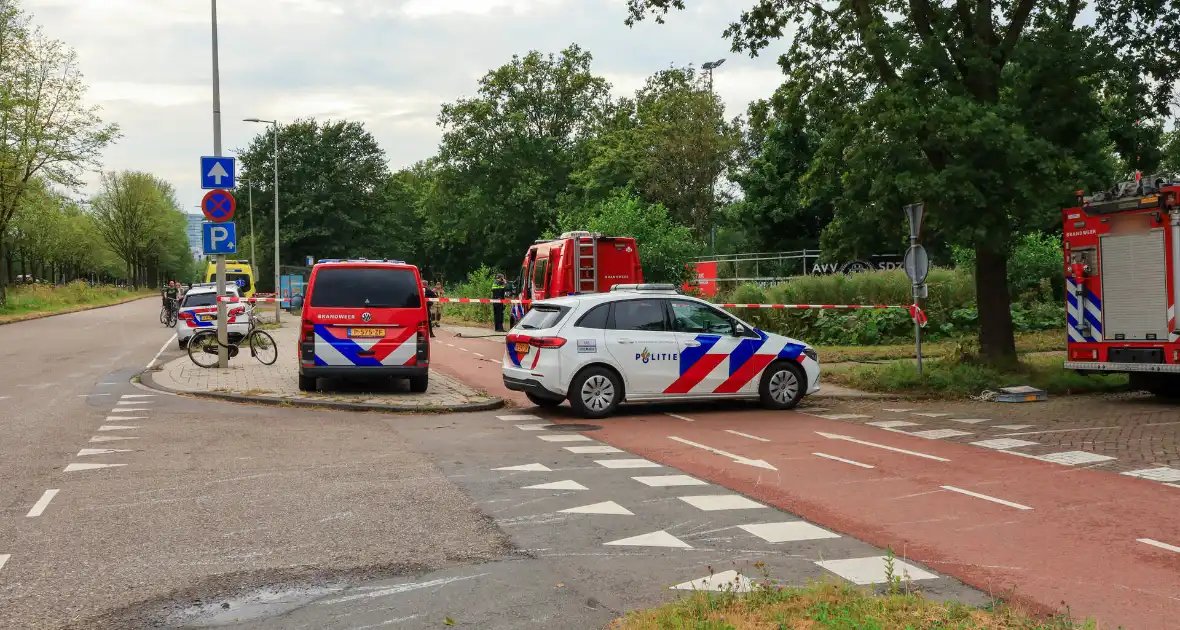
x=690, y=356
x=745, y=349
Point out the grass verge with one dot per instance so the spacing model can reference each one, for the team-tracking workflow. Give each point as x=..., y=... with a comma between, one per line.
x=950, y=378
x=825, y=605
x=28, y=302
x=1026, y=342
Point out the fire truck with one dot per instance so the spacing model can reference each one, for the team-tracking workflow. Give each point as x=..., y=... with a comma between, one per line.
x=575, y=262
x=1122, y=268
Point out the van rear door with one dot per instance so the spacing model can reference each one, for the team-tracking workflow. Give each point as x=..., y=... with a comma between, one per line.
x=366, y=316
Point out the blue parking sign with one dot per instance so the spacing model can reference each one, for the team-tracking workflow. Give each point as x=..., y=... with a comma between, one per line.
x=219, y=238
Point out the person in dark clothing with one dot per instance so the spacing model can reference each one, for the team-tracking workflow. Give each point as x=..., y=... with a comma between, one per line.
x=499, y=292
x=430, y=306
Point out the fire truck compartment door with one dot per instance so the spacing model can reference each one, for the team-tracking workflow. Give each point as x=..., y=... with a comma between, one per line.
x=1134, y=287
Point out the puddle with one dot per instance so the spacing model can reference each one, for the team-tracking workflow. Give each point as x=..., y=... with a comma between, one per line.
x=258, y=604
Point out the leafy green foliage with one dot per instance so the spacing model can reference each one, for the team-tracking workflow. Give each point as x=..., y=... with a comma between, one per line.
x=139, y=219
x=477, y=285
x=1034, y=269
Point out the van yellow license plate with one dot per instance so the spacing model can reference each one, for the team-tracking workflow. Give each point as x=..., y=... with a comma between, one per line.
x=522, y=348
x=366, y=332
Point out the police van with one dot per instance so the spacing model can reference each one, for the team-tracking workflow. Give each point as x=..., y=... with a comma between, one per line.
x=649, y=343
x=237, y=272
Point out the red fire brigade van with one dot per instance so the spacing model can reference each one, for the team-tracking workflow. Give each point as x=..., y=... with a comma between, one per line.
x=575, y=262
x=1122, y=268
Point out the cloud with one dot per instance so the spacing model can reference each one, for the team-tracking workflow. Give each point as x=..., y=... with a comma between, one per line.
x=387, y=63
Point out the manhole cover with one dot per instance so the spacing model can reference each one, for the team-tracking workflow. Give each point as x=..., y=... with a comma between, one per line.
x=575, y=428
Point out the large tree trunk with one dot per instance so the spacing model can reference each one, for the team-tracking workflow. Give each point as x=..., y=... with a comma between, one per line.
x=997, y=339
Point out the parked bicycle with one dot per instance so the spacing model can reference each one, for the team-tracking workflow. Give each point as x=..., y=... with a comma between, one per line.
x=169, y=312
x=203, y=346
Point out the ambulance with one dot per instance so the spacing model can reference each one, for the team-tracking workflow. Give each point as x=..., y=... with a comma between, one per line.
x=575, y=263
x=237, y=272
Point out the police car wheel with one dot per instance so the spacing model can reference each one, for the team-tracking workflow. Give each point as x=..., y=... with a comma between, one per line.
x=595, y=392
x=782, y=386
x=543, y=401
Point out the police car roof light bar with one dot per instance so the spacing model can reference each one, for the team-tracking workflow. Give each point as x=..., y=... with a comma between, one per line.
x=654, y=288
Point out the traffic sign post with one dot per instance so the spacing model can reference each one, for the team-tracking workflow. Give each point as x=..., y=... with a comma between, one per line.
x=218, y=206
x=219, y=239
x=917, y=267
x=218, y=172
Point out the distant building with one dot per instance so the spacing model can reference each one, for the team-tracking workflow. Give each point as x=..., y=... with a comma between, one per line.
x=193, y=230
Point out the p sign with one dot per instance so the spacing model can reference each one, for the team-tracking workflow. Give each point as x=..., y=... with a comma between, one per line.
x=219, y=238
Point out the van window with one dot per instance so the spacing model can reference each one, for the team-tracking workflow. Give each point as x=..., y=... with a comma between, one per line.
x=365, y=287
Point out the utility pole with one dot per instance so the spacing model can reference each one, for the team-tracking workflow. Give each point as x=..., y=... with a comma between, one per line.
x=222, y=332
x=708, y=67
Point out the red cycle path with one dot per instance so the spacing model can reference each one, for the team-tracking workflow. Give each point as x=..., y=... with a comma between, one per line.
x=1077, y=547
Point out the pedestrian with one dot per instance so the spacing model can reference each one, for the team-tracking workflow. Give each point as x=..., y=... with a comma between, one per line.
x=430, y=306
x=499, y=292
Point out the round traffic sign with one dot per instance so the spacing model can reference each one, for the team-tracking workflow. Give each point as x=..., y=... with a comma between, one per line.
x=218, y=206
x=917, y=264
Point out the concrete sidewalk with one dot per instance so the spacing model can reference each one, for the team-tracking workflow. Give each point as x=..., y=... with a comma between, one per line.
x=247, y=380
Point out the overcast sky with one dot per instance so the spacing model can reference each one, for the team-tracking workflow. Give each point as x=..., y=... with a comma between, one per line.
x=387, y=63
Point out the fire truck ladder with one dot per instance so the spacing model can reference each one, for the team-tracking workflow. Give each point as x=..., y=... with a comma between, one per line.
x=587, y=253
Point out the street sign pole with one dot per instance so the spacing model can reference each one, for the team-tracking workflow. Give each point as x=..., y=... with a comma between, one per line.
x=917, y=266
x=222, y=331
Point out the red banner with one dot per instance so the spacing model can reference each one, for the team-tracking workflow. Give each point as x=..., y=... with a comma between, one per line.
x=705, y=279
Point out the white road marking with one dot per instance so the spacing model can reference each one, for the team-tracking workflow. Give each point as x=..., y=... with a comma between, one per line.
x=866, y=571
x=518, y=417
x=464, y=349
x=101, y=451
x=1002, y=443
x=659, y=538
x=844, y=416
x=401, y=588
x=626, y=463
x=531, y=427
x=116, y=427
x=737, y=459
x=134, y=402
x=111, y=438
x=665, y=481
x=77, y=467
x=1011, y=427
x=931, y=415
x=592, y=450
x=1063, y=430
x=1146, y=541
x=790, y=531
x=606, y=507
x=986, y=497
x=897, y=410
x=153, y=361
x=42, y=503
x=845, y=438
x=970, y=420
x=718, y=502
x=79, y=395
x=680, y=417
x=477, y=354
x=841, y=459
x=565, y=438
x=1073, y=458
x=109, y=383
x=124, y=418
x=893, y=424
x=747, y=435
x=137, y=396
x=4, y=559
x=527, y=468
x=448, y=345
x=5, y=397
x=568, y=484
x=938, y=434
x=727, y=581
x=1160, y=473
x=128, y=409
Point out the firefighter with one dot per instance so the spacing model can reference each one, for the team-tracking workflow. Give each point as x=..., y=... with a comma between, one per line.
x=431, y=308
x=499, y=292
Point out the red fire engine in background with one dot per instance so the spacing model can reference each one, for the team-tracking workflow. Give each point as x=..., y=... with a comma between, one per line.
x=575, y=262
x=1122, y=267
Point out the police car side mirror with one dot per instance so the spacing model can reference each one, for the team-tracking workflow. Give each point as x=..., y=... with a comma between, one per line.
x=739, y=330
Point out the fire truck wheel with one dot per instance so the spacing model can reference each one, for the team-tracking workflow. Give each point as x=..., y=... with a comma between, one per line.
x=542, y=401
x=595, y=392
x=782, y=385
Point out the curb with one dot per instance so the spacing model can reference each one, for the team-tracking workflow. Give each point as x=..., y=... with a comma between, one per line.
x=145, y=378
x=16, y=319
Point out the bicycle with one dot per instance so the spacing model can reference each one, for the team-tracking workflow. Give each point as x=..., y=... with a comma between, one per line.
x=205, y=344
x=169, y=312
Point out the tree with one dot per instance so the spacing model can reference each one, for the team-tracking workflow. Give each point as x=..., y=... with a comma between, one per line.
x=137, y=216
x=333, y=185
x=46, y=128
x=670, y=143
x=990, y=114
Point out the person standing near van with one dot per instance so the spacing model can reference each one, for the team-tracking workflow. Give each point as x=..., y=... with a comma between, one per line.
x=499, y=292
x=431, y=307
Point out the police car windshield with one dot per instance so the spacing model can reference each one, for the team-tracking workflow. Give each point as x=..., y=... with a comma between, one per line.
x=542, y=316
x=200, y=299
x=365, y=287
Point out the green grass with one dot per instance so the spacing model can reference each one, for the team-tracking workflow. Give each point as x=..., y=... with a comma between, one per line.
x=33, y=299
x=951, y=378
x=830, y=606
x=1040, y=341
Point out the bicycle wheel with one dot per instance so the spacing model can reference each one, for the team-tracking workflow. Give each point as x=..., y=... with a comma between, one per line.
x=202, y=349
x=172, y=315
x=263, y=347
x=164, y=315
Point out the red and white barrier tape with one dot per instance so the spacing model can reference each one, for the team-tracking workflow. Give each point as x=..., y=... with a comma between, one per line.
x=227, y=298
x=915, y=311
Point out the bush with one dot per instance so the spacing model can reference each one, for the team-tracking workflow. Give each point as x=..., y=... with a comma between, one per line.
x=1035, y=268
x=478, y=285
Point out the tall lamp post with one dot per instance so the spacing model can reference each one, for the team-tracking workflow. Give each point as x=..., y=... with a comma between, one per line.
x=709, y=67
x=222, y=330
x=278, y=295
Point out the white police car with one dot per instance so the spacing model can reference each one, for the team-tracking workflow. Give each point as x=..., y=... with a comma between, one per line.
x=198, y=311
x=647, y=343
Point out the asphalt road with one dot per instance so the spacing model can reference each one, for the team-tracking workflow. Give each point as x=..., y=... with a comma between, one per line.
x=175, y=512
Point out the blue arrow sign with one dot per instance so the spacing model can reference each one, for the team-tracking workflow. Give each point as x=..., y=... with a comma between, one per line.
x=218, y=172
x=219, y=238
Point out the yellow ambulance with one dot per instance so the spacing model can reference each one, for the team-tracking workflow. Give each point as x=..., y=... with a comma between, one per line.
x=237, y=272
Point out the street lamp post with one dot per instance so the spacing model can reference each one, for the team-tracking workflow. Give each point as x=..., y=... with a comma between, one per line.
x=250, y=202
x=278, y=295
x=222, y=331
x=709, y=67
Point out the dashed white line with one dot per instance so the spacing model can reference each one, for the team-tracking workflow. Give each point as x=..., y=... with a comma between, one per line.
x=841, y=459
x=680, y=417
x=477, y=354
x=1146, y=541
x=4, y=558
x=464, y=349
x=153, y=361
x=41, y=504
x=747, y=435
x=986, y=497
x=888, y=448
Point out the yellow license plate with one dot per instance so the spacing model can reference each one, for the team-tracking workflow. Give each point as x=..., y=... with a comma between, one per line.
x=206, y=318
x=366, y=332
x=522, y=348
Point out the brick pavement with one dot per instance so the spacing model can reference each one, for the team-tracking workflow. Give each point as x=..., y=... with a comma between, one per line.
x=246, y=376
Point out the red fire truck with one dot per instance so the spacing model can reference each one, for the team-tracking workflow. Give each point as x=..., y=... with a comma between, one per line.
x=575, y=262
x=1122, y=268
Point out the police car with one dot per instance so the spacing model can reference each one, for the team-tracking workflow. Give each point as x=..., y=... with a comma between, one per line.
x=648, y=343
x=198, y=311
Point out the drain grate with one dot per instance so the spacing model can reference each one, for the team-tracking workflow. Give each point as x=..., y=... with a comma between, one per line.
x=573, y=428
